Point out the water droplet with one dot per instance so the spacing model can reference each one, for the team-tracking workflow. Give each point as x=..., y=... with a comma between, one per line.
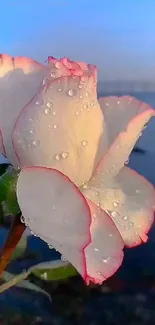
x=32, y=131
x=114, y=214
x=60, y=90
x=86, y=94
x=53, y=75
x=84, y=143
x=36, y=142
x=115, y=204
x=63, y=258
x=130, y=224
x=49, y=104
x=22, y=219
x=105, y=260
x=65, y=155
x=118, y=102
x=97, y=193
x=77, y=113
x=96, y=249
x=50, y=246
x=126, y=162
x=125, y=218
x=107, y=104
x=72, y=92
x=45, y=81
x=85, y=106
x=85, y=186
x=55, y=126
x=80, y=86
x=54, y=113
x=92, y=103
x=44, y=276
x=80, y=97
x=57, y=157
x=38, y=102
x=47, y=110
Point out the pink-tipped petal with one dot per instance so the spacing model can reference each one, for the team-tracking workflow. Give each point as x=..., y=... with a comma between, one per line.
x=130, y=201
x=20, y=78
x=125, y=118
x=56, y=211
x=61, y=128
x=104, y=254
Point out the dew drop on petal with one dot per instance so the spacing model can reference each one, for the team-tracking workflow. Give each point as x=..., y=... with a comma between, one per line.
x=85, y=106
x=114, y=214
x=60, y=90
x=77, y=113
x=72, y=92
x=49, y=104
x=55, y=126
x=22, y=219
x=84, y=143
x=47, y=111
x=65, y=155
x=32, y=131
x=53, y=75
x=63, y=258
x=57, y=157
x=126, y=162
x=54, y=113
x=36, y=142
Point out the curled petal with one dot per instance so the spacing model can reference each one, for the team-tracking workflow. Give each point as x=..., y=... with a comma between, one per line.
x=65, y=67
x=130, y=201
x=56, y=211
x=20, y=78
x=104, y=254
x=61, y=128
x=125, y=118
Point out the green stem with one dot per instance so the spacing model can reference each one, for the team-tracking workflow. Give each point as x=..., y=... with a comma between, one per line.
x=14, y=235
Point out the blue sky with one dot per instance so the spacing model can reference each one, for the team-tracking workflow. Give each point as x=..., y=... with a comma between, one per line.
x=116, y=35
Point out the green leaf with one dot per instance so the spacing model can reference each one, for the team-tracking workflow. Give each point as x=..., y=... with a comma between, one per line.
x=19, y=281
x=8, y=183
x=20, y=248
x=55, y=270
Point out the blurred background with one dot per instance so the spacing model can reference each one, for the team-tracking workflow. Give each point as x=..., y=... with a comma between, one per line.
x=119, y=37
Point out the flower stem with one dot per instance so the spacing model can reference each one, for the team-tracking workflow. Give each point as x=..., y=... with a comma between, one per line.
x=14, y=235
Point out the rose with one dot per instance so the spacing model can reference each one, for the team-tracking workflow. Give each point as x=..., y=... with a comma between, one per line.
x=73, y=188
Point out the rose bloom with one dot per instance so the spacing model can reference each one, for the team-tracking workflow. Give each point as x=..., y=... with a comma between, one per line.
x=74, y=189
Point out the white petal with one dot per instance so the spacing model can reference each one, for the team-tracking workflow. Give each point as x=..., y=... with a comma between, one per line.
x=20, y=78
x=129, y=199
x=104, y=254
x=125, y=118
x=61, y=128
x=55, y=210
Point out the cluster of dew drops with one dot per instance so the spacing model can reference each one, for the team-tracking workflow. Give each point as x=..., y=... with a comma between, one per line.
x=49, y=110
